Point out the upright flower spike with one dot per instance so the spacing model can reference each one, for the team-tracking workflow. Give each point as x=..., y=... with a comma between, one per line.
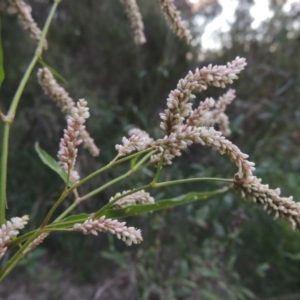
x=24, y=14
x=68, y=145
x=129, y=235
x=66, y=104
x=9, y=230
x=178, y=108
x=135, y=17
x=180, y=122
x=173, y=17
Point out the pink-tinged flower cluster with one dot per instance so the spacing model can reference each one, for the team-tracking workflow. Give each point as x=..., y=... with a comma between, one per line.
x=261, y=194
x=129, y=235
x=24, y=14
x=66, y=104
x=9, y=230
x=177, y=102
x=135, y=17
x=68, y=145
x=140, y=197
x=210, y=112
x=138, y=140
x=180, y=123
x=173, y=17
x=55, y=91
x=177, y=141
x=36, y=242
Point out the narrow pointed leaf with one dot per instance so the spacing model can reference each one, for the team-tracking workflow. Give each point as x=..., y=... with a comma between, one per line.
x=55, y=73
x=159, y=205
x=138, y=209
x=49, y=161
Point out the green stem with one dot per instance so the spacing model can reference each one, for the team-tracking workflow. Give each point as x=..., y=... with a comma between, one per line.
x=38, y=52
x=140, y=163
x=67, y=211
x=12, y=111
x=103, y=187
x=179, y=181
x=136, y=168
x=53, y=208
x=155, y=179
x=111, y=164
x=3, y=174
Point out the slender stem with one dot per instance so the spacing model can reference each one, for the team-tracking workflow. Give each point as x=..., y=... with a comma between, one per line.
x=18, y=240
x=111, y=164
x=103, y=187
x=179, y=181
x=38, y=52
x=155, y=179
x=140, y=163
x=3, y=175
x=12, y=111
x=67, y=211
x=53, y=208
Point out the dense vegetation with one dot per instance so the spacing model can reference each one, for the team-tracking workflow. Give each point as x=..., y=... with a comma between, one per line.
x=222, y=248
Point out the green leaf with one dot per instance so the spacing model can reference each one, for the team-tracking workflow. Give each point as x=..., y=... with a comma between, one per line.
x=2, y=74
x=51, y=162
x=159, y=205
x=137, y=209
x=55, y=73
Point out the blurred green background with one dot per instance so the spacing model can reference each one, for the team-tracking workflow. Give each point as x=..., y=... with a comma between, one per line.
x=221, y=248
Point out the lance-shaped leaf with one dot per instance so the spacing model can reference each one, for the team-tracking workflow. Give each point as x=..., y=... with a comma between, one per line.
x=138, y=209
x=159, y=205
x=49, y=161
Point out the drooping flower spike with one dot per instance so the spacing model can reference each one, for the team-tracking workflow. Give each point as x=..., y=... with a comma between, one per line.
x=66, y=104
x=23, y=11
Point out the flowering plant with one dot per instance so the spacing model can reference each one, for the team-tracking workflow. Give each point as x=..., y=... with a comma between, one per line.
x=182, y=126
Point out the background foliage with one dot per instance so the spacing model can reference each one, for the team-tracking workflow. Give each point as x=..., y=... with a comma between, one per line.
x=222, y=248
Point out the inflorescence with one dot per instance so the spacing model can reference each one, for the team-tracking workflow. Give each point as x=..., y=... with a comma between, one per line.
x=184, y=126
x=10, y=230
x=140, y=197
x=129, y=235
x=23, y=11
x=68, y=145
x=66, y=104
